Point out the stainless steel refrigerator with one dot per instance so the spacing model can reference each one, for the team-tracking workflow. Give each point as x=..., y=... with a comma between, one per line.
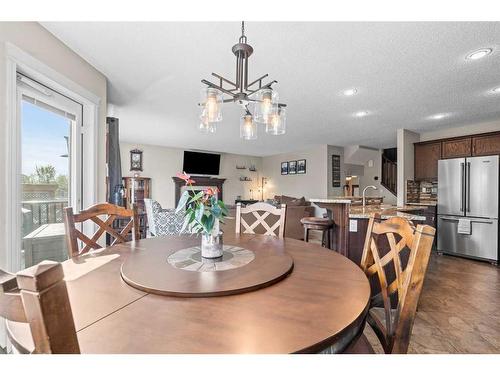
x=468, y=205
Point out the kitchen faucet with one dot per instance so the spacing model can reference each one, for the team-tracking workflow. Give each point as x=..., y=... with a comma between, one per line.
x=364, y=191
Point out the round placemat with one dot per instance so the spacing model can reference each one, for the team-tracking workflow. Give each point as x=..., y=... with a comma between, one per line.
x=174, y=267
x=190, y=259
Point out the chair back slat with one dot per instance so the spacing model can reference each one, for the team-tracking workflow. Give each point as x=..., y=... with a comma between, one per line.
x=111, y=212
x=40, y=298
x=261, y=211
x=407, y=284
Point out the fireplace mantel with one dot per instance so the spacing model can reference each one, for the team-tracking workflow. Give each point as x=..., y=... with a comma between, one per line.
x=199, y=181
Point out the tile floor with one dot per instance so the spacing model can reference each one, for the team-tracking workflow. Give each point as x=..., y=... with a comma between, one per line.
x=459, y=309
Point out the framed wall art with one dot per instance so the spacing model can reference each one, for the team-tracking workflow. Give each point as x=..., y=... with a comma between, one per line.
x=301, y=166
x=284, y=168
x=335, y=170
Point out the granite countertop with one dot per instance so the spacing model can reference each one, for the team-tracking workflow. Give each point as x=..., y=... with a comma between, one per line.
x=355, y=200
x=386, y=212
x=424, y=204
x=330, y=200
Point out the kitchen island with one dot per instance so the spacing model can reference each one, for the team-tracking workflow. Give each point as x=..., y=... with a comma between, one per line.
x=351, y=222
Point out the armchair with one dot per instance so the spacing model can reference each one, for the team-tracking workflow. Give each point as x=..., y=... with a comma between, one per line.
x=162, y=221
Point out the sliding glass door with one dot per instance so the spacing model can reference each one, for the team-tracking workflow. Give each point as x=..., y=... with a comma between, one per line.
x=50, y=176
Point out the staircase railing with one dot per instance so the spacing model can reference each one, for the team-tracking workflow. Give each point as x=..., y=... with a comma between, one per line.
x=389, y=174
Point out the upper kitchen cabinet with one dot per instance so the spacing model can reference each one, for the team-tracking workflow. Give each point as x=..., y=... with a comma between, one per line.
x=456, y=148
x=428, y=153
x=426, y=160
x=488, y=144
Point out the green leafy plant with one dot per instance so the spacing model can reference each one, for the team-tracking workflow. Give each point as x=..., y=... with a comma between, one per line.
x=203, y=210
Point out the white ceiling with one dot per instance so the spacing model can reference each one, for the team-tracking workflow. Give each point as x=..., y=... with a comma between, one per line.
x=404, y=72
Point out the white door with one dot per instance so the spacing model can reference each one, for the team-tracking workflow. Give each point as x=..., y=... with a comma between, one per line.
x=49, y=175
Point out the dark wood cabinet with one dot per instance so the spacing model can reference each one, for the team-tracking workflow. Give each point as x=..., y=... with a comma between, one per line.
x=488, y=144
x=456, y=148
x=430, y=214
x=136, y=189
x=426, y=160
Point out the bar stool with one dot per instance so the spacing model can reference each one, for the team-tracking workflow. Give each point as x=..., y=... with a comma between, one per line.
x=324, y=225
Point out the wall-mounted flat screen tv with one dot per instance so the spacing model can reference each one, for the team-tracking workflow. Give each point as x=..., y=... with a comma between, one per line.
x=201, y=163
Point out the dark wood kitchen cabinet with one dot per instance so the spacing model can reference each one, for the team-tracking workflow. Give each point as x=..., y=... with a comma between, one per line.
x=426, y=160
x=457, y=148
x=488, y=144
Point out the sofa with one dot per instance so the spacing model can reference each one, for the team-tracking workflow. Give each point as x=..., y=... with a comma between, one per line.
x=296, y=209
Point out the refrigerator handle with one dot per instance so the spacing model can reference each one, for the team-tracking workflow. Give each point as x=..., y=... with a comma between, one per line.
x=467, y=202
x=462, y=173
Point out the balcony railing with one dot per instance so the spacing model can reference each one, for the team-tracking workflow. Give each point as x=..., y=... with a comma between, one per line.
x=39, y=212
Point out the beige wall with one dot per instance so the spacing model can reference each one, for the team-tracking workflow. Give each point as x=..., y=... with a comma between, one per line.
x=162, y=163
x=313, y=184
x=483, y=127
x=405, y=141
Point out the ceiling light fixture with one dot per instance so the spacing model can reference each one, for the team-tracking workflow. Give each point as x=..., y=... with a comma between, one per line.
x=264, y=100
x=496, y=90
x=439, y=116
x=350, y=92
x=479, y=54
x=361, y=114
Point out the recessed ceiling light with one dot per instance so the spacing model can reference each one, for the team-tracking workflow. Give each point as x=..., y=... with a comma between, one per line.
x=496, y=90
x=439, y=116
x=361, y=114
x=350, y=92
x=480, y=53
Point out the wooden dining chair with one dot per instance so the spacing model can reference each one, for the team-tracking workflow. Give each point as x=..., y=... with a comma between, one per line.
x=392, y=321
x=261, y=211
x=38, y=296
x=111, y=212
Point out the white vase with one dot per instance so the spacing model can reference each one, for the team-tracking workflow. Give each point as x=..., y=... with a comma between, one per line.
x=211, y=245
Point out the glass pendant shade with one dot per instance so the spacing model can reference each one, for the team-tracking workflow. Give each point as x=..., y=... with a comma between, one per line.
x=265, y=107
x=277, y=122
x=248, y=128
x=207, y=127
x=211, y=102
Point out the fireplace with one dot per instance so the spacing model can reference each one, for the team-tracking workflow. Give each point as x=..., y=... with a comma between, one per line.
x=201, y=182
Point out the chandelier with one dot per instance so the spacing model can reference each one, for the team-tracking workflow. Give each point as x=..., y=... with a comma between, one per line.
x=259, y=101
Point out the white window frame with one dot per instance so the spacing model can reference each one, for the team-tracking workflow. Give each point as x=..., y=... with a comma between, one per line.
x=75, y=136
x=20, y=61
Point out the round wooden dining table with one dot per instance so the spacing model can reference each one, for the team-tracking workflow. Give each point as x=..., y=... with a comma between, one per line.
x=320, y=301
